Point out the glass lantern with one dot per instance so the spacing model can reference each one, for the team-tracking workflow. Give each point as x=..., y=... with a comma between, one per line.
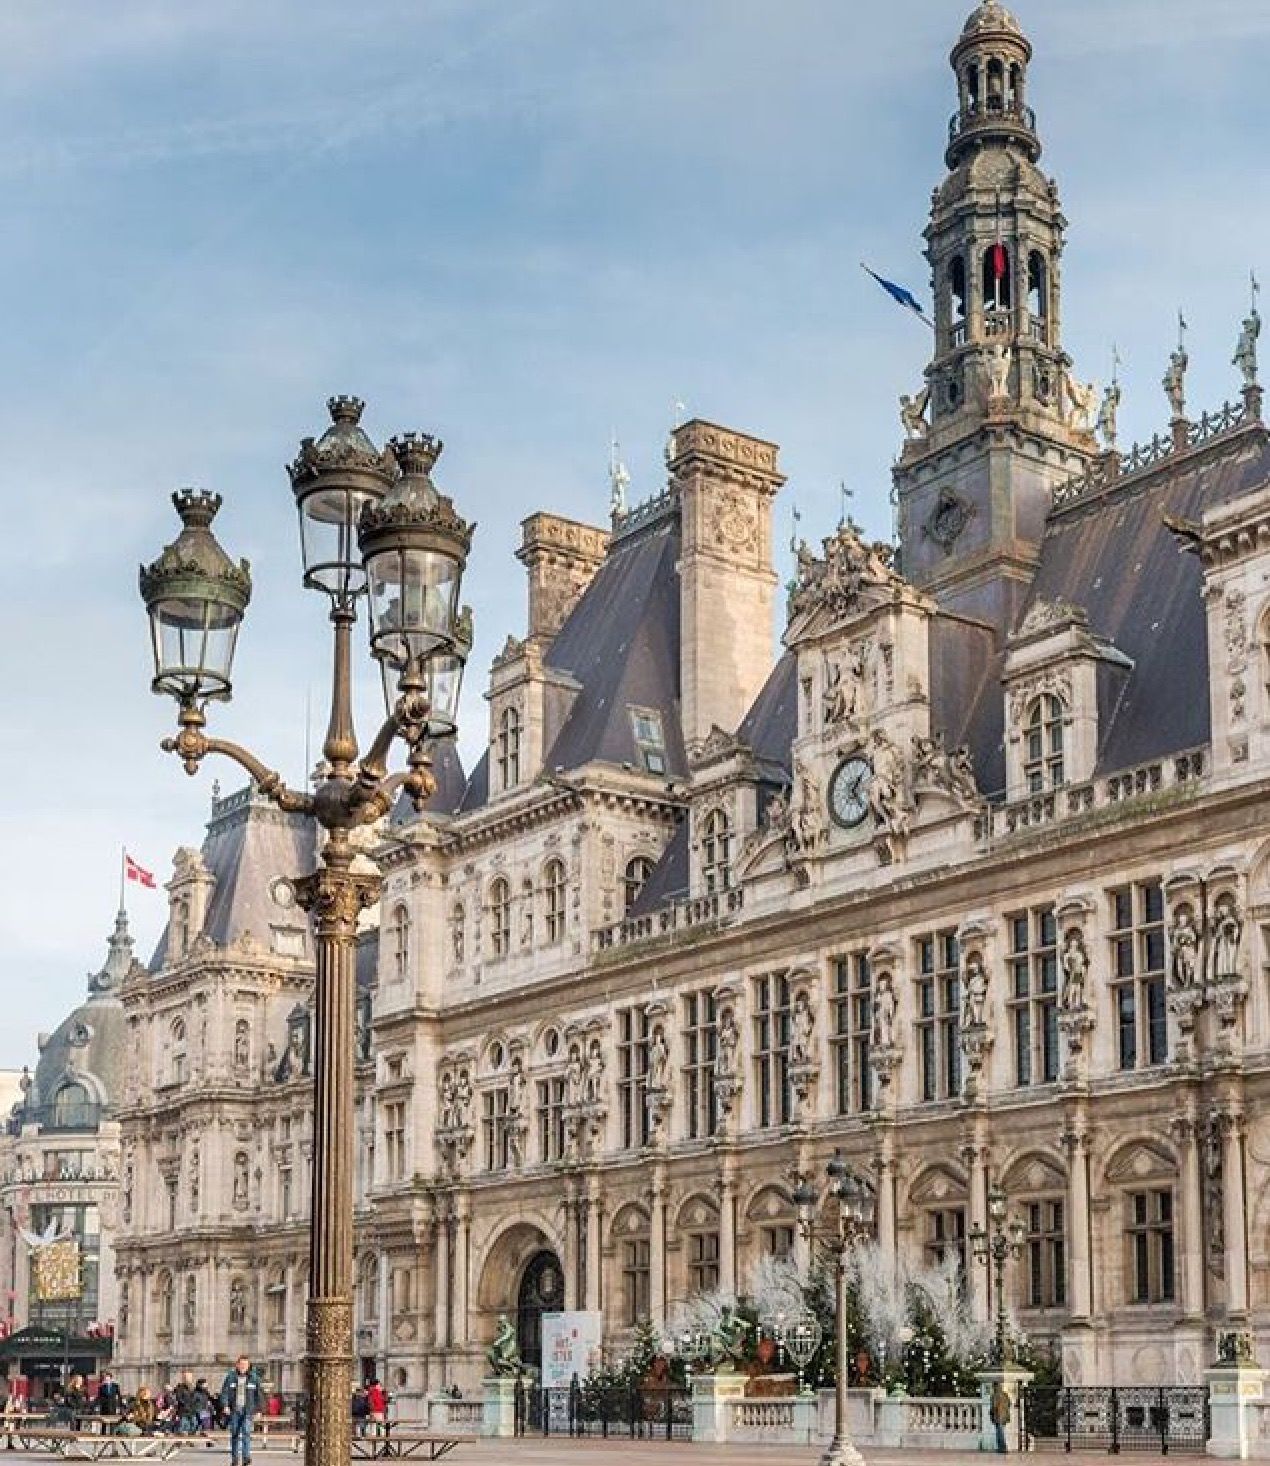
x=196, y=596
x=414, y=545
x=333, y=480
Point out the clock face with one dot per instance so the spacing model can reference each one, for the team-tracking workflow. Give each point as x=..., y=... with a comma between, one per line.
x=849, y=791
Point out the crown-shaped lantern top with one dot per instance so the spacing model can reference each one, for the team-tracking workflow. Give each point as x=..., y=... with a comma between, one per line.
x=196, y=555
x=343, y=449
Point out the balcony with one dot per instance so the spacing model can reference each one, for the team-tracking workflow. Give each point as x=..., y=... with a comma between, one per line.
x=690, y=913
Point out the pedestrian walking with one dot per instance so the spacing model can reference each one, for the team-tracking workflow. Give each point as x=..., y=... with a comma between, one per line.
x=999, y=1413
x=240, y=1398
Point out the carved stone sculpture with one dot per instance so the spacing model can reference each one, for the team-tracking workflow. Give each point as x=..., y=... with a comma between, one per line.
x=593, y=1083
x=727, y=1066
x=1246, y=350
x=888, y=799
x=658, y=1059
x=503, y=1354
x=574, y=1076
x=1082, y=398
x=241, y=1181
x=802, y=1025
x=1183, y=951
x=1108, y=414
x=999, y=370
x=808, y=815
x=448, y=1108
x=1175, y=382
x=844, y=695
x=913, y=414
x=237, y=1305
x=974, y=1000
x=1075, y=964
x=884, y=1010
x=1225, y=937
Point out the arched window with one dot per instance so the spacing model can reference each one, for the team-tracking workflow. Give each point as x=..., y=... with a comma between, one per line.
x=996, y=85
x=1015, y=93
x=509, y=748
x=972, y=88
x=180, y=926
x=716, y=852
x=71, y=1107
x=1038, y=286
x=178, y=1070
x=996, y=278
x=400, y=943
x=1043, y=756
x=500, y=917
x=634, y=879
x=369, y=1289
x=553, y=892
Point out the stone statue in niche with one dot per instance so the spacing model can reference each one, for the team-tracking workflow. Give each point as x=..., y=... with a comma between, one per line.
x=240, y=1181
x=593, y=1083
x=457, y=942
x=242, y=1045
x=974, y=1000
x=125, y=1309
x=463, y=1099
x=574, y=1075
x=729, y=1041
x=884, y=1009
x=129, y=1177
x=1214, y=1189
x=1183, y=951
x=361, y=1026
x=844, y=695
x=808, y=818
x=1246, y=350
x=516, y=1117
x=294, y=1063
x=237, y=1305
x=1075, y=965
x=658, y=1059
x=189, y=1308
x=1225, y=938
x=448, y=1115
x=802, y=1025
x=913, y=414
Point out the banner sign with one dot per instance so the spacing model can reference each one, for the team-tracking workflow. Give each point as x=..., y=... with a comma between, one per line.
x=571, y=1345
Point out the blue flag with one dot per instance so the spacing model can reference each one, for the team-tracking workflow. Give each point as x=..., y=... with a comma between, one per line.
x=898, y=293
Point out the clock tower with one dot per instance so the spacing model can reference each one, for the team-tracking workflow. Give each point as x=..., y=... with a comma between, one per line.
x=1001, y=419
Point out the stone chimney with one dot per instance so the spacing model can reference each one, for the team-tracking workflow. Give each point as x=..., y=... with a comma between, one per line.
x=561, y=556
x=725, y=482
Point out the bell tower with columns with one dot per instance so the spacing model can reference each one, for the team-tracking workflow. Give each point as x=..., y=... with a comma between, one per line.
x=1004, y=420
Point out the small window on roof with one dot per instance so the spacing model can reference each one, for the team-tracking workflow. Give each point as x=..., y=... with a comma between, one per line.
x=650, y=742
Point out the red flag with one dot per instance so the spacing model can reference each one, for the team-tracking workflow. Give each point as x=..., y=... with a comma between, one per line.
x=135, y=872
x=998, y=262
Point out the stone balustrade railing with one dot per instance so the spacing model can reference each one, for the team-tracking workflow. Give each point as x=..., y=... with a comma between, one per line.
x=675, y=916
x=447, y=1413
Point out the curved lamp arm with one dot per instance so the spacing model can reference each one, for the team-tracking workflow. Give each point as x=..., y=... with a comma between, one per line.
x=192, y=745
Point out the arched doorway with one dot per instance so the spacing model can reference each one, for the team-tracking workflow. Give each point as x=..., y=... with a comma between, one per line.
x=541, y=1291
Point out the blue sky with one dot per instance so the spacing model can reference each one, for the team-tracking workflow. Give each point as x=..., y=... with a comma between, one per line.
x=520, y=226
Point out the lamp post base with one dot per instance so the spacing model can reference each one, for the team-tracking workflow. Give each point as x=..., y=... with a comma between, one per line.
x=841, y=1451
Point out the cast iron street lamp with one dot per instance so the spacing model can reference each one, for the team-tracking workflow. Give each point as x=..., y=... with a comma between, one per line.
x=994, y=1248
x=856, y=1205
x=370, y=519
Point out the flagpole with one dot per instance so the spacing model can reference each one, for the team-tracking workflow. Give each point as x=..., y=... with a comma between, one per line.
x=123, y=865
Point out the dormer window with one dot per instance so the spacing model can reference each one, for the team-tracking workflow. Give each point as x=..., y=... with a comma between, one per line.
x=634, y=879
x=1043, y=733
x=509, y=748
x=716, y=852
x=650, y=741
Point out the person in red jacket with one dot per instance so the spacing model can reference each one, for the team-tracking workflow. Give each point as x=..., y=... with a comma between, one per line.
x=377, y=1400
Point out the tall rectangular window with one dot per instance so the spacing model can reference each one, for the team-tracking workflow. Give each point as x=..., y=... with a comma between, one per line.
x=395, y=1139
x=494, y=1129
x=771, y=1050
x=551, y=1093
x=1046, y=1250
x=632, y=1076
x=939, y=1015
x=946, y=1235
x=701, y=1048
x=636, y=1280
x=1033, y=998
x=703, y=1262
x=1137, y=974
x=1150, y=1239
x=852, y=1026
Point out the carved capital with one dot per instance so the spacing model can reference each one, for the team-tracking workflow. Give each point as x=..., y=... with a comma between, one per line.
x=335, y=897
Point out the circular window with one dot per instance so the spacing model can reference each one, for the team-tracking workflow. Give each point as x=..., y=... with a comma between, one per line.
x=283, y=893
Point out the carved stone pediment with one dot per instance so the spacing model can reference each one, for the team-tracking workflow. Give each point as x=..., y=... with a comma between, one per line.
x=849, y=577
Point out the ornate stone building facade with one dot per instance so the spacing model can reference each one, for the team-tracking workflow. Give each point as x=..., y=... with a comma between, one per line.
x=972, y=882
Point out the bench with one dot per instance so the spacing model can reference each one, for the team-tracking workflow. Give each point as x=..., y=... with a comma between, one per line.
x=75, y=1445
x=428, y=1445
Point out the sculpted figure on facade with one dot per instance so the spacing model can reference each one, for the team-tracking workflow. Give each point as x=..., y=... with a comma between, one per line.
x=808, y=816
x=237, y=1305
x=1075, y=964
x=885, y=1006
x=888, y=798
x=1175, y=381
x=1246, y=349
x=242, y=1045
x=849, y=566
x=1215, y=1190
x=448, y=1108
x=574, y=1076
x=457, y=934
x=843, y=701
x=241, y=1181
x=934, y=768
x=913, y=415
x=727, y=1063
x=463, y=1099
x=999, y=370
x=517, y=1116
x=802, y=1027
x=974, y=1001
x=294, y=1063
x=1108, y=415
x=658, y=1059
x=1183, y=951
x=593, y=1082
x=1082, y=398
x=189, y=1305
x=503, y=1354
x=1225, y=937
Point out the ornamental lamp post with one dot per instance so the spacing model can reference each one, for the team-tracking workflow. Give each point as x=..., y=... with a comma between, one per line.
x=361, y=511
x=993, y=1248
x=857, y=1204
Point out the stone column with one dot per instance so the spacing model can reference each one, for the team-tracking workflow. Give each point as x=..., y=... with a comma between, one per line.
x=571, y=1259
x=1191, y=1252
x=727, y=1231
x=1075, y=1142
x=1234, y=1214
x=459, y=1333
x=657, y=1246
x=594, y=1262
x=383, y=1307
x=441, y=1327
x=975, y=1158
x=884, y=1168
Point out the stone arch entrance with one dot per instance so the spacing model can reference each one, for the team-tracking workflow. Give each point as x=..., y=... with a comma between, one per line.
x=541, y=1291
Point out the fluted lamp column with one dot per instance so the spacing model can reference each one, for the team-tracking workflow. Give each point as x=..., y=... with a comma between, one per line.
x=362, y=509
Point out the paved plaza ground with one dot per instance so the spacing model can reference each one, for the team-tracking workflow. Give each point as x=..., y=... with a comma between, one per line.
x=557, y=1451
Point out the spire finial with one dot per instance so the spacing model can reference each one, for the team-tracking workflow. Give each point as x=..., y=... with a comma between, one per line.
x=1245, y=357
x=619, y=478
